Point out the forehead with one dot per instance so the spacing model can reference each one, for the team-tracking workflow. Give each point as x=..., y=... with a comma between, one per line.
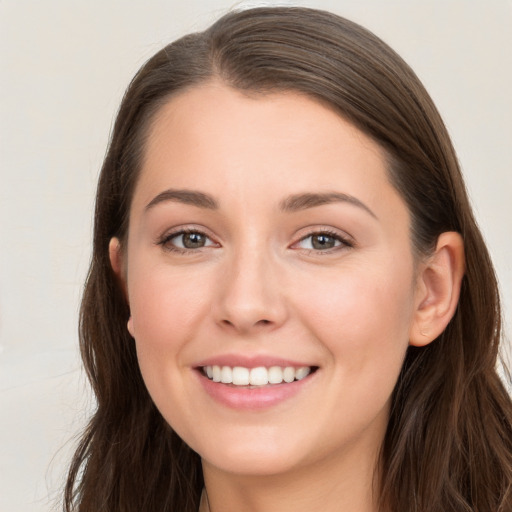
x=238, y=145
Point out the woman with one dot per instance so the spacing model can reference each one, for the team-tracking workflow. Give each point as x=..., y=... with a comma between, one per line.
x=289, y=305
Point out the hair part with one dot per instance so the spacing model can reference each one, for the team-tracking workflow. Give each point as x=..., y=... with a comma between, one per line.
x=448, y=445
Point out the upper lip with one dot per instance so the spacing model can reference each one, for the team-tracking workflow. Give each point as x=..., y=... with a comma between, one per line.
x=250, y=361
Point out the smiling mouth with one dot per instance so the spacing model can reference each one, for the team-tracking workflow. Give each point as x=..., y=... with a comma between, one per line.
x=256, y=377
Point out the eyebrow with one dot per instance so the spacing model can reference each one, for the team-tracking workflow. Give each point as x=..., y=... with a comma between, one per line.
x=310, y=200
x=192, y=197
x=292, y=203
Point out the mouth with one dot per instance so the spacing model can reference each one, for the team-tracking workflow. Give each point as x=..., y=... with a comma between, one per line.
x=258, y=377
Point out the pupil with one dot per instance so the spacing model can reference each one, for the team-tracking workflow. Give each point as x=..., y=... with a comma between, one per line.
x=323, y=242
x=193, y=240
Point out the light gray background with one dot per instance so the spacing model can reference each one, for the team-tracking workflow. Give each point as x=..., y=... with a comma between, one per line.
x=64, y=66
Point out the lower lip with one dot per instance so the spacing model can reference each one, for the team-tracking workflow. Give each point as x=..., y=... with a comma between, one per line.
x=254, y=398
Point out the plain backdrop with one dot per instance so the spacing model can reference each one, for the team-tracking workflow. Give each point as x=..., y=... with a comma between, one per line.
x=64, y=66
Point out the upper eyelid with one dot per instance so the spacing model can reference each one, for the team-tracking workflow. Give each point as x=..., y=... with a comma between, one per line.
x=318, y=230
x=184, y=229
x=346, y=243
x=342, y=243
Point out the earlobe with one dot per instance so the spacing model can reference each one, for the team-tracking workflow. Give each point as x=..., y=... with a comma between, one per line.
x=129, y=327
x=438, y=289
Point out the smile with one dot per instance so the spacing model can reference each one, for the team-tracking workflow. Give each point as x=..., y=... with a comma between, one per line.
x=259, y=376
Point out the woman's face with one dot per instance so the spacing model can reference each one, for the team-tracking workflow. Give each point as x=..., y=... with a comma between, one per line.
x=264, y=235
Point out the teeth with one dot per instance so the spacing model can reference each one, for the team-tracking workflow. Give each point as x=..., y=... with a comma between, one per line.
x=275, y=375
x=216, y=373
x=240, y=376
x=226, y=375
x=259, y=376
x=289, y=374
x=300, y=373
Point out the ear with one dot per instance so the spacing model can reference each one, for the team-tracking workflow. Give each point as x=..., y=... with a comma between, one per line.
x=438, y=289
x=115, y=253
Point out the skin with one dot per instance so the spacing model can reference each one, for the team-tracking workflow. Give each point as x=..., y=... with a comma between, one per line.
x=259, y=287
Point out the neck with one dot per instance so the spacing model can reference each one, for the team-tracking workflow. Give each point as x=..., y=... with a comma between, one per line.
x=345, y=481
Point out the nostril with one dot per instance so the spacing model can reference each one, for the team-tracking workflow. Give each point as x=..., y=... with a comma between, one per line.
x=246, y=324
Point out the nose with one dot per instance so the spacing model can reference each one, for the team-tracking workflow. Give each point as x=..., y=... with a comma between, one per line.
x=250, y=297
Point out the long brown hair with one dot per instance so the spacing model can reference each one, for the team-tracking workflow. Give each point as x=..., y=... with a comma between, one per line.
x=448, y=446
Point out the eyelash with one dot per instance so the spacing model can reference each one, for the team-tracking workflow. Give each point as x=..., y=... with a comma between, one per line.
x=165, y=241
x=344, y=242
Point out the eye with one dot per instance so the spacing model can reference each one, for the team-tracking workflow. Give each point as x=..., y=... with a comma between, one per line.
x=186, y=240
x=322, y=241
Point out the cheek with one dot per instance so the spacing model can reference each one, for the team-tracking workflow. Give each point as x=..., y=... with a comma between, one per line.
x=166, y=310
x=165, y=304
x=363, y=319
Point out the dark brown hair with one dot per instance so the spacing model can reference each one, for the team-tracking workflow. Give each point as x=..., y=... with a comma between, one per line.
x=448, y=446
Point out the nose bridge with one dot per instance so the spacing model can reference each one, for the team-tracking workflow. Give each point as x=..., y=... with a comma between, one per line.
x=250, y=291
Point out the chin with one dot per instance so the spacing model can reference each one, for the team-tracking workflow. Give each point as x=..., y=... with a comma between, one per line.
x=252, y=463
x=253, y=455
